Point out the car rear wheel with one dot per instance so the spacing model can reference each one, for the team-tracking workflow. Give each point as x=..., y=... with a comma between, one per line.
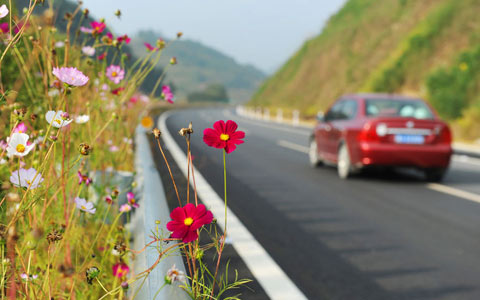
x=315, y=161
x=435, y=174
x=344, y=166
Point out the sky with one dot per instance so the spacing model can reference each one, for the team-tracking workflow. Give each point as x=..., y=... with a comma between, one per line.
x=264, y=33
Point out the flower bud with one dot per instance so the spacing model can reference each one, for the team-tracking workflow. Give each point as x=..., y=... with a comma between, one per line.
x=160, y=44
x=173, y=60
x=86, y=12
x=118, y=13
x=179, y=34
x=156, y=132
x=84, y=149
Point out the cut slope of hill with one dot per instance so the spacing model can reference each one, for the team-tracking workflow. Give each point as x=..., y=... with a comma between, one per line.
x=426, y=48
x=200, y=66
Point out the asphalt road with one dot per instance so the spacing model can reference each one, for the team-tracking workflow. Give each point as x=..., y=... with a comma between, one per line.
x=375, y=236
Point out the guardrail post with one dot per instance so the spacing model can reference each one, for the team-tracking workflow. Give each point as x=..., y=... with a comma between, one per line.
x=279, y=115
x=266, y=114
x=258, y=113
x=296, y=118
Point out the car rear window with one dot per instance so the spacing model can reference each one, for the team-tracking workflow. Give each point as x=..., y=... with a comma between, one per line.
x=398, y=108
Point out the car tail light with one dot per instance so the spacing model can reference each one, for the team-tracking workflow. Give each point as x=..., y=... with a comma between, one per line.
x=369, y=133
x=445, y=136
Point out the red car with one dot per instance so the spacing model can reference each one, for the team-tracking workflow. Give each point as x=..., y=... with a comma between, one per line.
x=364, y=130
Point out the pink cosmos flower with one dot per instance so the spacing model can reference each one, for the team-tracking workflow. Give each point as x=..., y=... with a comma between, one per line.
x=4, y=28
x=167, y=94
x=125, y=208
x=86, y=29
x=131, y=200
x=174, y=274
x=120, y=269
x=223, y=136
x=115, y=73
x=21, y=128
x=98, y=27
x=88, y=51
x=70, y=76
x=150, y=47
x=83, y=178
x=186, y=220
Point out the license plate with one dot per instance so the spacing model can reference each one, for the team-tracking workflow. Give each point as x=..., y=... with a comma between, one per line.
x=409, y=139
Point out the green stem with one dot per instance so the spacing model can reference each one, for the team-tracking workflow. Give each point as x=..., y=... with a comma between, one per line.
x=225, y=189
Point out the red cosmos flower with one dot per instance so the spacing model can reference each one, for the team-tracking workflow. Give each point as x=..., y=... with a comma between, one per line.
x=186, y=220
x=102, y=56
x=118, y=91
x=98, y=27
x=223, y=136
x=120, y=270
x=124, y=38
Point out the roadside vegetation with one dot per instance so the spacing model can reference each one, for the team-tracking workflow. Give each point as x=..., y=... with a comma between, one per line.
x=69, y=106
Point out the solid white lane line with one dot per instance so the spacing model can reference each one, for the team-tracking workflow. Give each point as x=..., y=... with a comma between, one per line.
x=454, y=192
x=292, y=146
x=269, y=275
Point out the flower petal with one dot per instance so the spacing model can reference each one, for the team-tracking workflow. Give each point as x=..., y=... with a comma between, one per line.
x=230, y=127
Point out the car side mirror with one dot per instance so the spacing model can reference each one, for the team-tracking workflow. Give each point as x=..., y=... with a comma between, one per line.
x=320, y=116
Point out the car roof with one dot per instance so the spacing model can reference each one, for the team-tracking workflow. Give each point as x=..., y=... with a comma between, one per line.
x=379, y=96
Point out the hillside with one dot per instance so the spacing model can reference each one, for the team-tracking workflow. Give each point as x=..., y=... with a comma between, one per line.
x=428, y=48
x=200, y=66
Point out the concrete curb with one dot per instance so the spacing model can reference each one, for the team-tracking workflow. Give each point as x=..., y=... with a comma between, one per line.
x=153, y=207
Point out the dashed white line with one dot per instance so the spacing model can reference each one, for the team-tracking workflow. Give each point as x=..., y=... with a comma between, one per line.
x=292, y=146
x=466, y=159
x=454, y=192
x=268, y=273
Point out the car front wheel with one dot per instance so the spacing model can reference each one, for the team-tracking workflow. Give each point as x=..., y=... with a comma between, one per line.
x=313, y=154
x=344, y=166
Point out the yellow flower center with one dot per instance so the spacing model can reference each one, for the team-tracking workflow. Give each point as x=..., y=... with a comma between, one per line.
x=58, y=121
x=20, y=148
x=188, y=221
x=114, y=74
x=29, y=182
x=224, y=137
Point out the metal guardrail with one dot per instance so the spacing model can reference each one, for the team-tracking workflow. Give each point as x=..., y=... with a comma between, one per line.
x=153, y=207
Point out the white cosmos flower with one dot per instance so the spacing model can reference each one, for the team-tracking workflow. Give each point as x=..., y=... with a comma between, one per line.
x=17, y=145
x=82, y=119
x=3, y=11
x=59, y=44
x=88, y=51
x=85, y=206
x=26, y=178
x=55, y=118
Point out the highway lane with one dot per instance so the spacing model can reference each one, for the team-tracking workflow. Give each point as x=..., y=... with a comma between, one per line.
x=377, y=236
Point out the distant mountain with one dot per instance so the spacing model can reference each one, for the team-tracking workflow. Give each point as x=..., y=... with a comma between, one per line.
x=200, y=66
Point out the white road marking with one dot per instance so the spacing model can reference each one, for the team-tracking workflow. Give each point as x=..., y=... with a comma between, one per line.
x=292, y=146
x=270, y=276
x=466, y=159
x=454, y=192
